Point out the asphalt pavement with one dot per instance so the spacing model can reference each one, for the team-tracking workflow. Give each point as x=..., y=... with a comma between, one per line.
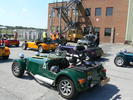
x=120, y=86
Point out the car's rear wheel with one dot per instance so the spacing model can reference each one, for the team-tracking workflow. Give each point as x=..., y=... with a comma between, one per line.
x=17, y=70
x=119, y=61
x=24, y=46
x=40, y=49
x=66, y=88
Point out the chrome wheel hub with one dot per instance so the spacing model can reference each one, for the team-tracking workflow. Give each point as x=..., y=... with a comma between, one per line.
x=16, y=69
x=65, y=87
x=120, y=61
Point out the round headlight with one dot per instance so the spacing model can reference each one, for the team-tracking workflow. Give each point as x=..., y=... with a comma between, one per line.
x=21, y=55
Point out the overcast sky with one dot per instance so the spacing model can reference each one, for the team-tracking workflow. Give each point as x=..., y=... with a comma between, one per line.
x=29, y=13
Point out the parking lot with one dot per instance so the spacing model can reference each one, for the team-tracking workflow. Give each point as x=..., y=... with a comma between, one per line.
x=120, y=86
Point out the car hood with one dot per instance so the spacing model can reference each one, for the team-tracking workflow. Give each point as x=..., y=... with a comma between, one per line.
x=129, y=53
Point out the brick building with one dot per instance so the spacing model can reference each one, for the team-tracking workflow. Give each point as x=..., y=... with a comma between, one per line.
x=113, y=19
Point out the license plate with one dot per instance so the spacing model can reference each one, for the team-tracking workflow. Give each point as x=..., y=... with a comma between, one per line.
x=104, y=82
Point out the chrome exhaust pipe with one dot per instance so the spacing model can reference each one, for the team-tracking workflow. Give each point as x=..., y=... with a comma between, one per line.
x=44, y=79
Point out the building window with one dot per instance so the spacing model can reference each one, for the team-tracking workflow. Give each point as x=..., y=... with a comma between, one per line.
x=109, y=11
x=97, y=30
x=52, y=12
x=88, y=11
x=58, y=13
x=107, y=32
x=75, y=12
x=88, y=29
x=98, y=12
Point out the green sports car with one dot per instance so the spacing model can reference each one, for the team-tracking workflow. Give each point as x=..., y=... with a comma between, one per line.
x=56, y=70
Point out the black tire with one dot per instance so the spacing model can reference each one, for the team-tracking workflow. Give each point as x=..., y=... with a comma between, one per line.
x=17, y=45
x=24, y=46
x=119, y=61
x=76, y=40
x=40, y=49
x=5, y=57
x=70, y=92
x=53, y=50
x=17, y=70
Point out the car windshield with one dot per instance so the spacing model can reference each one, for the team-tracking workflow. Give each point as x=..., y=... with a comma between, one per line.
x=54, y=55
x=48, y=41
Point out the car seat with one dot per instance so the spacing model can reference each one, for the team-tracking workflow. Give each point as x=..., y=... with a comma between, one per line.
x=80, y=48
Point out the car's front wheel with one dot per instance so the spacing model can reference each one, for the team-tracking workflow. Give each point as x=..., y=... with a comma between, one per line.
x=17, y=70
x=40, y=49
x=119, y=61
x=66, y=88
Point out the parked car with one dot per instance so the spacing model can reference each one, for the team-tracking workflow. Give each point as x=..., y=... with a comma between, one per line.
x=40, y=46
x=124, y=58
x=92, y=53
x=10, y=42
x=85, y=41
x=57, y=71
x=4, y=52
